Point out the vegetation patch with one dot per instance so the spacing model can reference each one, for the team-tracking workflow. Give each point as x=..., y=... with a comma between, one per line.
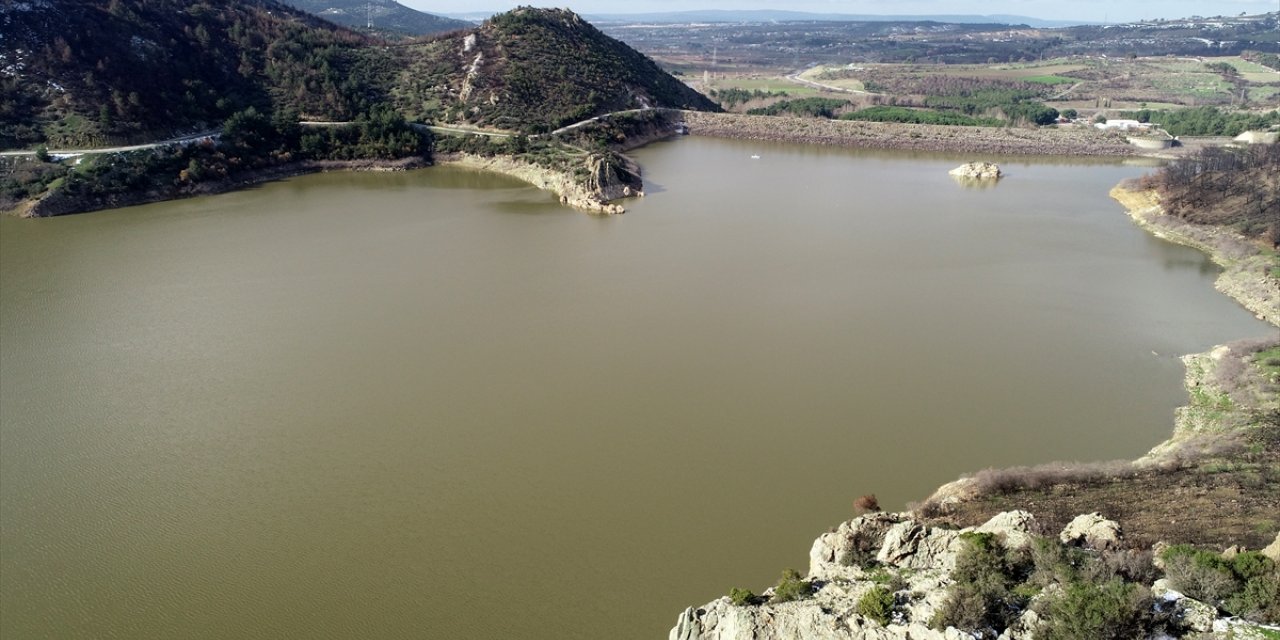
x=744, y=597
x=983, y=600
x=1245, y=585
x=1110, y=610
x=1205, y=121
x=1237, y=188
x=1048, y=79
x=792, y=586
x=806, y=107
x=877, y=604
x=920, y=116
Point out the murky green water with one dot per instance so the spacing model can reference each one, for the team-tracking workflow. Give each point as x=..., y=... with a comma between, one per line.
x=438, y=405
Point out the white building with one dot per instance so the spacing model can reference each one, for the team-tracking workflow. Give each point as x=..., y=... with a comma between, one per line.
x=1123, y=125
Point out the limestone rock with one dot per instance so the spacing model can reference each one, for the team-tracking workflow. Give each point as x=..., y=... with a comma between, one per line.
x=1273, y=550
x=863, y=535
x=1017, y=528
x=1194, y=615
x=977, y=170
x=911, y=545
x=819, y=619
x=1093, y=531
x=1157, y=554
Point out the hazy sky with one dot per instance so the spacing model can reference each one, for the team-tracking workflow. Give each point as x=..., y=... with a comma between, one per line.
x=1096, y=10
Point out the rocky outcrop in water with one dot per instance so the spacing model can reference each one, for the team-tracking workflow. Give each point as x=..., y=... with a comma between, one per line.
x=609, y=176
x=977, y=171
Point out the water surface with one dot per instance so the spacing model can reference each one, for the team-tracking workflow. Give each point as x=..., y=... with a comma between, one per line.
x=437, y=404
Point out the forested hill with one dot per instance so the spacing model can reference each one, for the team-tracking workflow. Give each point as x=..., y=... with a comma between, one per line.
x=85, y=72
x=534, y=70
x=89, y=72
x=384, y=15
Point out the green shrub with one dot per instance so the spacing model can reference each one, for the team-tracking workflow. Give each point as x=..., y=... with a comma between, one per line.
x=920, y=116
x=1259, y=600
x=792, y=587
x=1247, y=585
x=983, y=598
x=743, y=597
x=1203, y=575
x=890, y=580
x=812, y=107
x=877, y=604
x=1112, y=610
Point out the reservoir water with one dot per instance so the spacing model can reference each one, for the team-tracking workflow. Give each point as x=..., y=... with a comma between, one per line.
x=436, y=404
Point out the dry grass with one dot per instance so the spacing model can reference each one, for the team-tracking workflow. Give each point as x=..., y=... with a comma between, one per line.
x=1216, y=505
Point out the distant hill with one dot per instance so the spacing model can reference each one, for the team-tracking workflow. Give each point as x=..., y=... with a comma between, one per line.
x=770, y=15
x=87, y=72
x=534, y=70
x=383, y=14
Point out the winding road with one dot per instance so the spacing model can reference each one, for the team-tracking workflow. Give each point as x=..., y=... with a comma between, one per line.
x=795, y=77
x=189, y=139
x=213, y=134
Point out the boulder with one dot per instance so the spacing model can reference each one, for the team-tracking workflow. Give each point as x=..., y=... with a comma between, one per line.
x=863, y=535
x=1193, y=614
x=817, y=619
x=1015, y=528
x=911, y=545
x=1273, y=550
x=1093, y=531
x=977, y=170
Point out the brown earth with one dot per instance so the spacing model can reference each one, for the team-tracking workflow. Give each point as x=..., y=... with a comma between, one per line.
x=1217, y=506
x=917, y=137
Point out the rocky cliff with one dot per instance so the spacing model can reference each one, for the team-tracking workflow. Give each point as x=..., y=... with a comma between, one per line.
x=607, y=176
x=888, y=576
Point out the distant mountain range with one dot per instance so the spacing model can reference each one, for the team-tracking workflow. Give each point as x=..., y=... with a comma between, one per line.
x=383, y=15
x=771, y=15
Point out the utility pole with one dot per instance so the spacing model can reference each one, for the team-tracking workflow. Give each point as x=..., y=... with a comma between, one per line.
x=368, y=15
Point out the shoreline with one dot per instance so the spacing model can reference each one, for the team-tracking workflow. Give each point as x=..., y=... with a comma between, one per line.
x=596, y=201
x=1191, y=429
x=910, y=137
x=598, y=193
x=1212, y=479
x=58, y=204
x=1238, y=279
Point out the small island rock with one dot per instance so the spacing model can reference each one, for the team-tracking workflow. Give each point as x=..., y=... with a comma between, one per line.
x=978, y=170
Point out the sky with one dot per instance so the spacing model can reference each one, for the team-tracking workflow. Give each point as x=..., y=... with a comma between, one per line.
x=1085, y=10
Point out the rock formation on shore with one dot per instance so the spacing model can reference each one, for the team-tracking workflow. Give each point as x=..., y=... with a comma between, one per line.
x=913, y=568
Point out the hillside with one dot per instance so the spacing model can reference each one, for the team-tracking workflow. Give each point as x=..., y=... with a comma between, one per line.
x=81, y=72
x=253, y=72
x=533, y=70
x=386, y=15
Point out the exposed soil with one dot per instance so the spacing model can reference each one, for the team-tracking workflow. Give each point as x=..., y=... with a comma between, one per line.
x=1210, y=506
x=917, y=137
